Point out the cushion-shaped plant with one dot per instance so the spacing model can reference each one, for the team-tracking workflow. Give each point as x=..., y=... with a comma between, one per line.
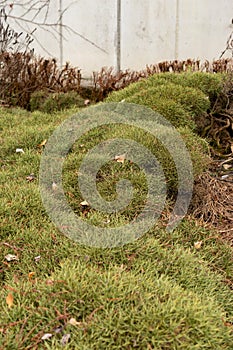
x=49, y=102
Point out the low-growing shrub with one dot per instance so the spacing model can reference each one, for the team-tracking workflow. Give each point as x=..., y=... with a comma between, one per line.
x=37, y=100
x=24, y=73
x=47, y=102
x=210, y=84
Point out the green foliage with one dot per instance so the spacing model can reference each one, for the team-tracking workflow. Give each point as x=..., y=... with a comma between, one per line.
x=180, y=98
x=192, y=100
x=50, y=102
x=198, y=149
x=111, y=172
x=209, y=83
x=129, y=91
x=120, y=308
x=168, y=108
x=158, y=292
x=37, y=100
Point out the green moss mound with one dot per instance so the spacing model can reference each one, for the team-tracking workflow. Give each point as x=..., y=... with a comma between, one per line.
x=158, y=292
x=182, y=99
x=210, y=84
x=51, y=102
x=192, y=100
x=196, y=147
x=168, y=108
x=120, y=309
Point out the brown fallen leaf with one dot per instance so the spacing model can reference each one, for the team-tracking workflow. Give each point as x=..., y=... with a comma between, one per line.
x=65, y=339
x=54, y=186
x=31, y=274
x=120, y=158
x=10, y=257
x=49, y=282
x=227, y=324
x=73, y=322
x=30, y=177
x=46, y=336
x=43, y=143
x=70, y=195
x=84, y=204
x=10, y=300
x=198, y=244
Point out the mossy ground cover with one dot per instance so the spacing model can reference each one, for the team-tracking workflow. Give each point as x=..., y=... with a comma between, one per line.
x=51, y=102
x=182, y=98
x=209, y=84
x=158, y=292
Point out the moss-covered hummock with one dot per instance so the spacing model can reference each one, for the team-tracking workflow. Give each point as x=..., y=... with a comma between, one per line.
x=158, y=292
x=51, y=102
x=181, y=98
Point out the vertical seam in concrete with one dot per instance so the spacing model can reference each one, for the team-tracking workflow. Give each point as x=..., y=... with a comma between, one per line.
x=177, y=29
x=60, y=32
x=118, y=41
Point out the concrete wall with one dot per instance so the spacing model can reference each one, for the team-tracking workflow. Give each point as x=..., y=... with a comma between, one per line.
x=149, y=31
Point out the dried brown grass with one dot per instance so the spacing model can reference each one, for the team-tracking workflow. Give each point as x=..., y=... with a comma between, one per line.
x=108, y=80
x=212, y=203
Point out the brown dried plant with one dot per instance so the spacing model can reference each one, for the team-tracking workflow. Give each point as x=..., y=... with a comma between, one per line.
x=108, y=80
x=21, y=74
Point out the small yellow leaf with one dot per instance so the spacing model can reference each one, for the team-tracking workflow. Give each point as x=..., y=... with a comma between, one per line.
x=10, y=300
x=31, y=274
x=198, y=244
x=120, y=158
x=43, y=143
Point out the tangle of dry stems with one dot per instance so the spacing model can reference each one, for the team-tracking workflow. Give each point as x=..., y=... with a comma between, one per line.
x=212, y=203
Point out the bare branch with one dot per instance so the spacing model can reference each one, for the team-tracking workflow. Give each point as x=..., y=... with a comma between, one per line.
x=68, y=28
x=229, y=45
x=35, y=8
